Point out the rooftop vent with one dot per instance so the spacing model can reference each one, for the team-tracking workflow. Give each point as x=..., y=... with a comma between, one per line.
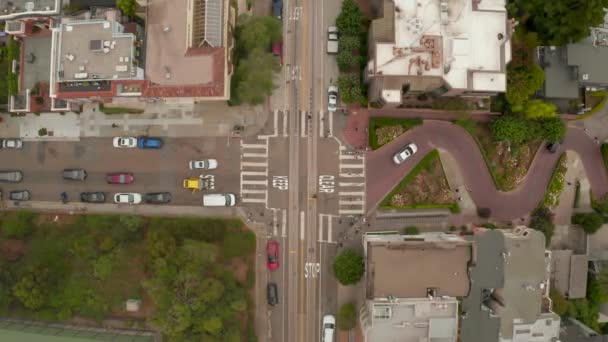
x=585, y=77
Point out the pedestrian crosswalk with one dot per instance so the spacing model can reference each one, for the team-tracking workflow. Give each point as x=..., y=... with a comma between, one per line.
x=325, y=228
x=254, y=172
x=351, y=182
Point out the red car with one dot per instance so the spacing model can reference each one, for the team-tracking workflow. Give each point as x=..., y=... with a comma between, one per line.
x=272, y=252
x=120, y=178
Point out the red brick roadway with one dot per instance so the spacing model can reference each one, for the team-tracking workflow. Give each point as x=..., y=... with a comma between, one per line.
x=382, y=175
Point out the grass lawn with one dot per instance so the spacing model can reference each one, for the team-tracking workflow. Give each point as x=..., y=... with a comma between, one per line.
x=384, y=130
x=88, y=266
x=508, y=168
x=424, y=187
x=118, y=110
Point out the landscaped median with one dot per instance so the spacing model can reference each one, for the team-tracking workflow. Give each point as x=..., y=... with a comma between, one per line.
x=556, y=183
x=118, y=110
x=383, y=130
x=424, y=187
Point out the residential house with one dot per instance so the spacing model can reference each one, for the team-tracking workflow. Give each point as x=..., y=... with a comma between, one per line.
x=411, y=286
x=569, y=273
x=575, y=331
x=509, y=297
x=437, y=48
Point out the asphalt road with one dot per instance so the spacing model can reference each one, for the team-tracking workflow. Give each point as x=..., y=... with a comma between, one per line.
x=154, y=170
x=383, y=175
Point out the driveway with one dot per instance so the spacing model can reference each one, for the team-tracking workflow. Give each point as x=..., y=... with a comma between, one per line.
x=383, y=175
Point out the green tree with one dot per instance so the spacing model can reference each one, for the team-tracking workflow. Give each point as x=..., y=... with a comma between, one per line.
x=523, y=80
x=212, y=326
x=560, y=303
x=350, y=88
x=411, y=230
x=127, y=7
x=132, y=223
x=102, y=267
x=590, y=222
x=347, y=317
x=559, y=22
x=510, y=128
x=19, y=225
x=552, y=129
x=347, y=61
x=350, y=19
x=32, y=289
x=257, y=32
x=542, y=220
x=351, y=44
x=239, y=244
x=254, y=77
x=537, y=109
x=348, y=267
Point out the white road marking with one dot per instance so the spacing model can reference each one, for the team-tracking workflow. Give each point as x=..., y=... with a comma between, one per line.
x=284, y=224
x=352, y=193
x=259, y=182
x=285, y=123
x=353, y=175
x=331, y=124
x=255, y=155
x=254, y=170
x=254, y=164
x=351, y=166
x=254, y=200
x=351, y=202
x=341, y=202
x=345, y=184
x=255, y=173
x=302, y=227
x=274, y=222
x=351, y=211
x=303, y=124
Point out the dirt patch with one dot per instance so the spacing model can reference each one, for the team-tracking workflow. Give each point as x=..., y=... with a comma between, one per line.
x=239, y=269
x=388, y=133
x=11, y=249
x=429, y=186
x=55, y=218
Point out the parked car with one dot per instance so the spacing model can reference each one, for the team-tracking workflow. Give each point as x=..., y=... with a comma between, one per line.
x=20, y=195
x=554, y=146
x=277, y=9
x=205, y=164
x=332, y=40
x=148, y=142
x=158, y=197
x=125, y=142
x=93, y=197
x=329, y=327
x=12, y=143
x=127, y=198
x=332, y=98
x=272, y=294
x=277, y=51
x=405, y=153
x=120, y=178
x=11, y=176
x=74, y=174
x=272, y=253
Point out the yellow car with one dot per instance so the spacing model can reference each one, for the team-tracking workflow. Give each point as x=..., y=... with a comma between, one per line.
x=199, y=183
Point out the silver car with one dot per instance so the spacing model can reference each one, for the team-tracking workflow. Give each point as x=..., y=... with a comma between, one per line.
x=74, y=174
x=12, y=143
x=204, y=164
x=21, y=195
x=11, y=176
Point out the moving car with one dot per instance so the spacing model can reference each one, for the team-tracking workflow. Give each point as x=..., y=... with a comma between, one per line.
x=332, y=98
x=219, y=200
x=124, y=142
x=120, y=178
x=405, y=153
x=20, y=195
x=148, y=142
x=11, y=176
x=272, y=253
x=332, y=40
x=93, y=197
x=127, y=198
x=205, y=164
x=74, y=174
x=554, y=146
x=202, y=182
x=12, y=143
x=329, y=327
x=272, y=294
x=158, y=197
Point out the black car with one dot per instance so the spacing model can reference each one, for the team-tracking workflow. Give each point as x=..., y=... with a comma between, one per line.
x=272, y=294
x=277, y=9
x=553, y=146
x=93, y=197
x=157, y=197
x=74, y=174
x=21, y=195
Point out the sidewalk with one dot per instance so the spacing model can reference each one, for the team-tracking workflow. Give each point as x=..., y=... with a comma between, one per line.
x=456, y=182
x=576, y=172
x=59, y=127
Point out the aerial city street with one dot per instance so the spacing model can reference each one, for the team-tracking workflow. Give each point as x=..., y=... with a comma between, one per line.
x=294, y=171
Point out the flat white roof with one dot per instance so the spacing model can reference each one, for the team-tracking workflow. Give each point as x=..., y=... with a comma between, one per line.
x=446, y=38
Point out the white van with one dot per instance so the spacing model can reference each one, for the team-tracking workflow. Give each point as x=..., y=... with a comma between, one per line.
x=219, y=200
x=329, y=326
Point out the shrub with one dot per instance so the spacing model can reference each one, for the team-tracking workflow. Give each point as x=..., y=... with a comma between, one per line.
x=19, y=225
x=42, y=132
x=556, y=183
x=590, y=222
x=239, y=244
x=411, y=230
x=560, y=303
x=484, y=212
x=348, y=267
x=542, y=220
x=380, y=122
x=604, y=149
x=347, y=317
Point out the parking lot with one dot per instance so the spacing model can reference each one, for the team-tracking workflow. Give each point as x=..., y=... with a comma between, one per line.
x=154, y=170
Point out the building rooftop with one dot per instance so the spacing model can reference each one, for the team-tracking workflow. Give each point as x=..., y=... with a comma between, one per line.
x=569, y=273
x=463, y=41
x=16, y=9
x=413, y=320
x=94, y=50
x=403, y=266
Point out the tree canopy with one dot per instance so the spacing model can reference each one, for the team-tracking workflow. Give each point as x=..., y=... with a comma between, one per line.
x=537, y=109
x=559, y=22
x=348, y=267
x=590, y=222
x=350, y=88
x=347, y=317
x=127, y=7
x=350, y=20
x=523, y=80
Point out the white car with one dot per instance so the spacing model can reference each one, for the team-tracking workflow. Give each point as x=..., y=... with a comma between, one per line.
x=205, y=164
x=405, y=153
x=329, y=327
x=124, y=142
x=127, y=198
x=332, y=98
x=12, y=143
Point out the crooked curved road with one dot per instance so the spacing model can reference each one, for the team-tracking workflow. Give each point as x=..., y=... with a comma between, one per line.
x=382, y=175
